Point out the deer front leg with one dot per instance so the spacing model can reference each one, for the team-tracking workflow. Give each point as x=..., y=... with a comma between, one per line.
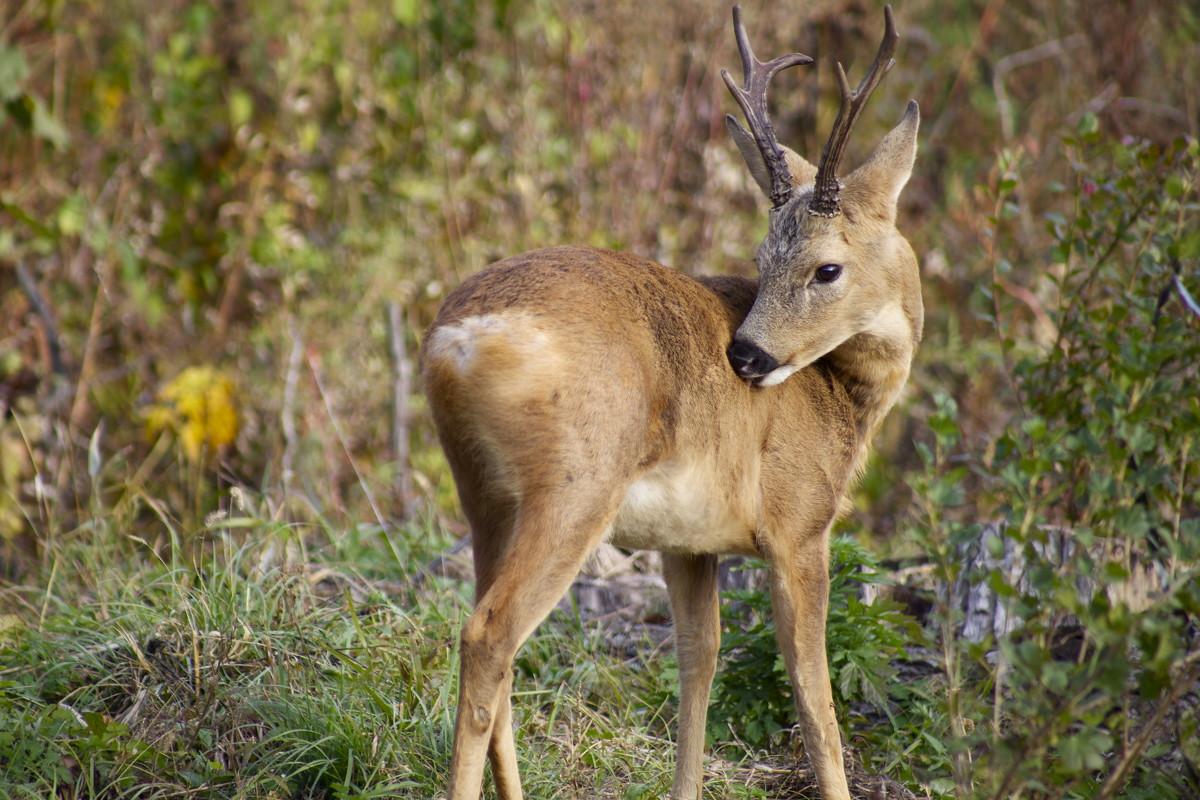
x=692, y=584
x=800, y=599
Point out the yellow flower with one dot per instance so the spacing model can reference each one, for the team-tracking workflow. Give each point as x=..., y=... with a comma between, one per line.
x=199, y=405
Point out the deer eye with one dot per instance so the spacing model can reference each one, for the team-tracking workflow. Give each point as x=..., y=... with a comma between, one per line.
x=828, y=273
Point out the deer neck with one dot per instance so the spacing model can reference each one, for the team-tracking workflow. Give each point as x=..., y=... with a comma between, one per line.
x=873, y=367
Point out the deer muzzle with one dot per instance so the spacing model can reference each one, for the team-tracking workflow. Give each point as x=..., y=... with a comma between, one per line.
x=749, y=360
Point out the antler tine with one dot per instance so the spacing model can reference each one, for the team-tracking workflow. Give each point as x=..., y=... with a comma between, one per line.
x=824, y=201
x=753, y=102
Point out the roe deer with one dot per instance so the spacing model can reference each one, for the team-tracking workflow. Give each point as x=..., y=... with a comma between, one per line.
x=584, y=395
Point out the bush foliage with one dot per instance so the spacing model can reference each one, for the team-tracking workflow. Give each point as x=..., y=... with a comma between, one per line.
x=1094, y=485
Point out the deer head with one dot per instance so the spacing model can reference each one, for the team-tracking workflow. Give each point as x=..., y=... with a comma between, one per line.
x=833, y=269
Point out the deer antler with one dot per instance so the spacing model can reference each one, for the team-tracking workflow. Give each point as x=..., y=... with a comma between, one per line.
x=753, y=100
x=824, y=201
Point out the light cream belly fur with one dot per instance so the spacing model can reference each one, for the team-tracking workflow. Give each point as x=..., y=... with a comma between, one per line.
x=672, y=509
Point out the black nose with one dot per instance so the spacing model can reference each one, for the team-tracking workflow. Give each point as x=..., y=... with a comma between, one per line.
x=750, y=361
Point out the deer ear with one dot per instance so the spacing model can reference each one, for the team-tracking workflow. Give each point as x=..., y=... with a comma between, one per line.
x=803, y=173
x=876, y=185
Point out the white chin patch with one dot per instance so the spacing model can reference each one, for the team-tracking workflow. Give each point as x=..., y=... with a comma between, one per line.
x=776, y=376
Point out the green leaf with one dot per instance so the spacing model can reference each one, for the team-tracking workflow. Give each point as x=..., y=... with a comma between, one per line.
x=20, y=110
x=1173, y=186
x=406, y=12
x=1140, y=439
x=72, y=215
x=1085, y=750
x=13, y=71
x=1114, y=572
x=94, y=461
x=944, y=427
x=24, y=216
x=1089, y=124
x=241, y=108
x=1186, y=247
x=45, y=126
x=946, y=494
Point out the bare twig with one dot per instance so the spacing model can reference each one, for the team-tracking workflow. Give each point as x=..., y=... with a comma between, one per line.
x=401, y=388
x=252, y=221
x=87, y=366
x=1029, y=299
x=1143, y=106
x=17, y=18
x=30, y=287
x=1023, y=59
x=337, y=430
x=287, y=416
x=1188, y=674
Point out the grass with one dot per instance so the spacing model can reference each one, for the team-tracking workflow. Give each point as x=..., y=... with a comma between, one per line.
x=250, y=658
x=230, y=661
x=265, y=667
x=233, y=676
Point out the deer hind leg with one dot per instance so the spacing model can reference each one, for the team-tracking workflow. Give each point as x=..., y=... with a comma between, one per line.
x=490, y=539
x=692, y=584
x=502, y=748
x=542, y=448
x=800, y=600
x=492, y=514
x=547, y=549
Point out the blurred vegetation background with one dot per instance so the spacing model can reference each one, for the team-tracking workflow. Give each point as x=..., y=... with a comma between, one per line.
x=224, y=226
x=243, y=187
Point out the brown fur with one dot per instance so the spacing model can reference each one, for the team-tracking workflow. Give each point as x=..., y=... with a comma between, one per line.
x=583, y=394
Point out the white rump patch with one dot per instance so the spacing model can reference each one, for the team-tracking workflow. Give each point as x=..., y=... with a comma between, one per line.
x=458, y=342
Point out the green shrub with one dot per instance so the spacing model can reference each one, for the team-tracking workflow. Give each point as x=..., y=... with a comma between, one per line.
x=752, y=697
x=1082, y=697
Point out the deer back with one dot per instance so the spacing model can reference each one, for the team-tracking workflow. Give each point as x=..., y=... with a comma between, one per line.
x=562, y=364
